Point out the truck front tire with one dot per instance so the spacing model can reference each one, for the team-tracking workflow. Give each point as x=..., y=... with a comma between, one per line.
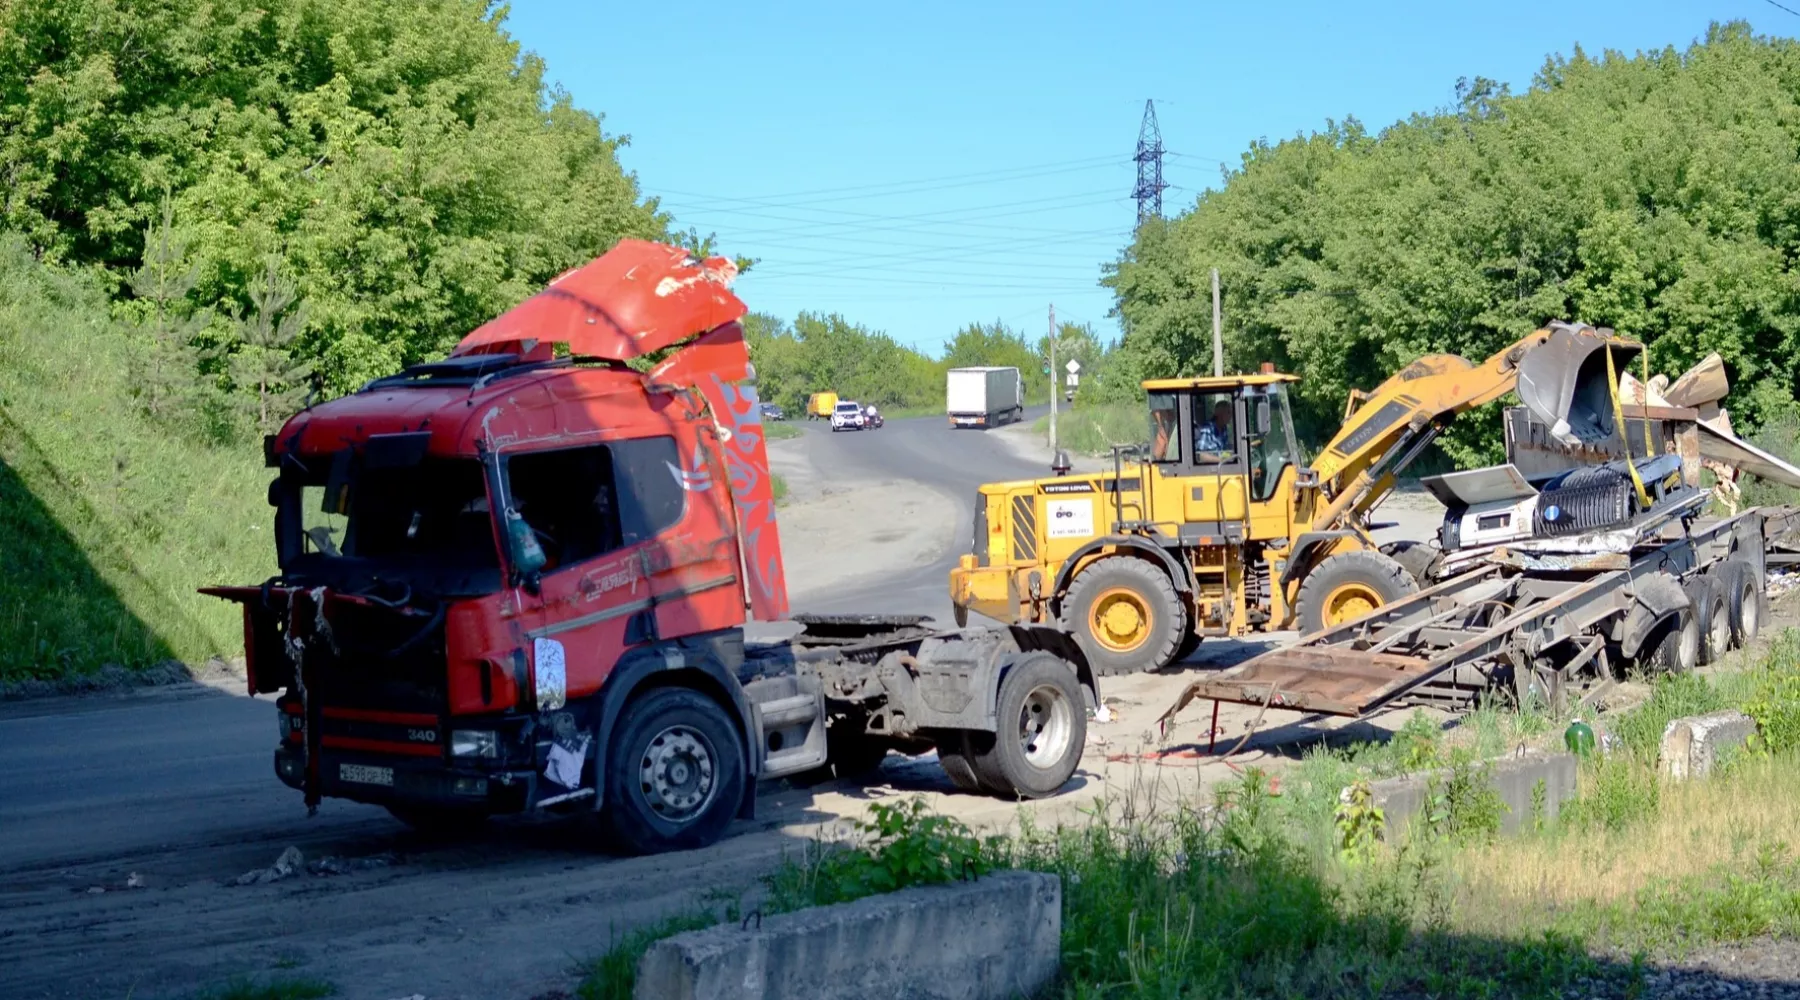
x=1125, y=614
x=675, y=772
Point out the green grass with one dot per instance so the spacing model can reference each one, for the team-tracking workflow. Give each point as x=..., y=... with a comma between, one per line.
x=780, y=430
x=1266, y=892
x=109, y=520
x=1094, y=429
x=779, y=486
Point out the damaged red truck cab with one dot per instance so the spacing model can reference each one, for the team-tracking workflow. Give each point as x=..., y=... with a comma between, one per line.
x=517, y=578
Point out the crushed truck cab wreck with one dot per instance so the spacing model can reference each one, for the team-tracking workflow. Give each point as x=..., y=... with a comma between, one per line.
x=517, y=578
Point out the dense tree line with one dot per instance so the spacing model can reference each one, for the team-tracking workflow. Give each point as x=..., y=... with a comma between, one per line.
x=817, y=353
x=1657, y=193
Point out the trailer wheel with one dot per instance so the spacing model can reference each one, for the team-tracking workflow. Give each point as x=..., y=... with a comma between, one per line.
x=1421, y=559
x=1042, y=730
x=1125, y=614
x=1743, y=601
x=674, y=773
x=957, y=757
x=1712, y=619
x=443, y=821
x=1347, y=586
x=1674, y=648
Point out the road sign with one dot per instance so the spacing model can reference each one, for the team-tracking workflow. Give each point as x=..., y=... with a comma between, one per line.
x=1073, y=366
x=1072, y=379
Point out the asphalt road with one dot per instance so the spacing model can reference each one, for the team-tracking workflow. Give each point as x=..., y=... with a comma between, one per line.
x=124, y=821
x=927, y=451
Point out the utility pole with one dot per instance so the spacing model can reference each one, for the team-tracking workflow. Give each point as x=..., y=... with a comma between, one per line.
x=1218, y=341
x=1053, y=380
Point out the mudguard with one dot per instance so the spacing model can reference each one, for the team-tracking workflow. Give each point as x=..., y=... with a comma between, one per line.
x=680, y=665
x=1180, y=575
x=1656, y=597
x=1299, y=556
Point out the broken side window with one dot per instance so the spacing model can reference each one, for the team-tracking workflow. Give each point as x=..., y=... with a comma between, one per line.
x=569, y=500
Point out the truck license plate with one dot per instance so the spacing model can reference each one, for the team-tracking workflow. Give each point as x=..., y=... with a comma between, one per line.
x=364, y=775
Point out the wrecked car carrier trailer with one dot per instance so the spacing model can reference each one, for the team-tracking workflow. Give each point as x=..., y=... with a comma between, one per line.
x=518, y=579
x=1537, y=620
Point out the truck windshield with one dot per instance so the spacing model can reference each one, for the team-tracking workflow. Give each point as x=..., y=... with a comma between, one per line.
x=425, y=525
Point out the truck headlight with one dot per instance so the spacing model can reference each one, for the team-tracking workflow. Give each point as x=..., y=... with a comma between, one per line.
x=474, y=743
x=293, y=727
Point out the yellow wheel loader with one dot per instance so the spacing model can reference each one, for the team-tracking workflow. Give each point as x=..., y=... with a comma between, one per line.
x=1217, y=528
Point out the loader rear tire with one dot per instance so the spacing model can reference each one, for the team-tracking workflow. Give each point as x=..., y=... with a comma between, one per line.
x=1347, y=586
x=1125, y=614
x=1421, y=559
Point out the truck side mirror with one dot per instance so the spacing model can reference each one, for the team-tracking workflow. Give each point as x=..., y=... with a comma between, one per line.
x=522, y=546
x=1262, y=416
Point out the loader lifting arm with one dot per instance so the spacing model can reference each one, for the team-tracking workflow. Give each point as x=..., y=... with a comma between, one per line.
x=1561, y=373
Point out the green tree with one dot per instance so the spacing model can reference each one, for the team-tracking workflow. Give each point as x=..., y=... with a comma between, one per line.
x=406, y=161
x=269, y=381
x=1653, y=193
x=166, y=360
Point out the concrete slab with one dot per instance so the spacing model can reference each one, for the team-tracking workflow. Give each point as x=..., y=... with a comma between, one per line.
x=1691, y=746
x=994, y=938
x=1402, y=800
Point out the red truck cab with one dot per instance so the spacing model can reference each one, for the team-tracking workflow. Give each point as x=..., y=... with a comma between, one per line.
x=484, y=559
x=516, y=579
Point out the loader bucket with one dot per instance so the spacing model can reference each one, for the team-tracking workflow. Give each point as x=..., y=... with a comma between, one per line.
x=1565, y=381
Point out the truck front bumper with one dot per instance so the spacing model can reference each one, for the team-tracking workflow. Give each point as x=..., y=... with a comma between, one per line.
x=986, y=590
x=383, y=779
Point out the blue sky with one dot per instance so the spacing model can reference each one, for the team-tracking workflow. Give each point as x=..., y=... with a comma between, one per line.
x=918, y=166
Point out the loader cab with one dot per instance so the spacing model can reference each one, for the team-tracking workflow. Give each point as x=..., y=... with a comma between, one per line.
x=1220, y=449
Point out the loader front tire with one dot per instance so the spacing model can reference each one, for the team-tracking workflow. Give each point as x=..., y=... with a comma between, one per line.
x=1347, y=586
x=1125, y=614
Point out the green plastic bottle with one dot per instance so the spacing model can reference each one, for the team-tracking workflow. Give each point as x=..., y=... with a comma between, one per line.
x=1579, y=738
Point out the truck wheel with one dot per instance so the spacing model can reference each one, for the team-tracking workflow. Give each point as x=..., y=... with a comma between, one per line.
x=1743, y=601
x=1190, y=641
x=1347, y=586
x=674, y=772
x=1675, y=646
x=958, y=759
x=443, y=821
x=1042, y=729
x=1125, y=614
x=1711, y=618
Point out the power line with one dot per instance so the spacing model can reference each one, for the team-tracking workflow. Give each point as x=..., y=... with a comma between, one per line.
x=1790, y=10
x=922, y=184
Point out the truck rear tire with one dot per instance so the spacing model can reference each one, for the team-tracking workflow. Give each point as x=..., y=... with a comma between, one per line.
x=1711, y=617
x=1042, y=730
x=1744, y=601
x=674, y=772
x=1125, y=614
x=1347, y=586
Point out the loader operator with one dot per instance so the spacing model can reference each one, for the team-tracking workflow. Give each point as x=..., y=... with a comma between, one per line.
x=1212, y=439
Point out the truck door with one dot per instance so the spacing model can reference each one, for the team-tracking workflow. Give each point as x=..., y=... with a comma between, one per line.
x=1273, y=460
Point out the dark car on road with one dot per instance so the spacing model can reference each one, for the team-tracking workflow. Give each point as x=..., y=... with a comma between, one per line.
x=772, y=412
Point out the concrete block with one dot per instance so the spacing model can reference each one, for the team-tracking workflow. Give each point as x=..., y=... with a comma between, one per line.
x=997, y=937
x=1691, y=745
x=1402, y=800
